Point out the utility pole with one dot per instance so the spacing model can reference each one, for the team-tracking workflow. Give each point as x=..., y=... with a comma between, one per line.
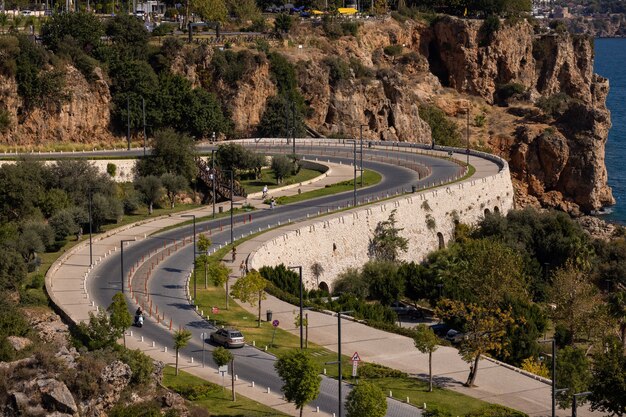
x=361, y=163
x=299, y=268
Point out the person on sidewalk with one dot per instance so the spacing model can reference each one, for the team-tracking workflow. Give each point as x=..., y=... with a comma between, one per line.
x=242, y=268
x=264, y=192
x=234, y=254
x=272, y=203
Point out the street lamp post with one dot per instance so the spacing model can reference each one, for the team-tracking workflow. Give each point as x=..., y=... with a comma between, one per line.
x=553, y=342
x=467, y=150
x=338, y=362
x=213, y=176
x=122, y=260
x=143, y=111
x=90, y=230
x=575, y=401
x=195, y=283
x=354, y=163
x=361, y=163
x=299, y=268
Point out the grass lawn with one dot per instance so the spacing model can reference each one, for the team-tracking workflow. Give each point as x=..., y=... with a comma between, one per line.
x=267, y=178
x=214, y=398
x=369, y=178
x=402, y=386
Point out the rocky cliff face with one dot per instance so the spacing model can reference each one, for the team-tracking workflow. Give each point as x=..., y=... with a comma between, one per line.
x=558, y=162
x=84, y=117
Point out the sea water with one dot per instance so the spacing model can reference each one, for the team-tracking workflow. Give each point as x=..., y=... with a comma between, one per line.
x=610, y=62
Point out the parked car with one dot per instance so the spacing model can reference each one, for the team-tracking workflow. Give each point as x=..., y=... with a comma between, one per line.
x=404, y=309
x=440, y=329
x=229, y=338
x=454, y=336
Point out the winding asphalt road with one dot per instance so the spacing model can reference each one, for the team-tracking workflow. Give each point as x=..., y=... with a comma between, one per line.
x=167, y=284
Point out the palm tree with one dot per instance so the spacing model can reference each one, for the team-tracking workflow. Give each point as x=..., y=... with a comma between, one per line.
x=181, y=339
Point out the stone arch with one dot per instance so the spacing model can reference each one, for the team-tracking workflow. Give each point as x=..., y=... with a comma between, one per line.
x=323, y=287
x=442, y=242
x=487, y=212
x=496, y=210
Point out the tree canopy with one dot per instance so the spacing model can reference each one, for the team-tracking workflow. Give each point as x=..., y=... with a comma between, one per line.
x=301, y=380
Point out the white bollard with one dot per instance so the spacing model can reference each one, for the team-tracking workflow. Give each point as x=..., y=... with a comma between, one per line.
x=153, y=344
x=165, y=349
x=141, y=339
x=407, y=400
x=131, y=333
x=268, y=390
x=324, y=371
x=317, y=409
x=192, y=359
x=252, y=384
x=266, y=348
x=236, y=377
x=254, y=343
x=424, y=406
x=390, y=394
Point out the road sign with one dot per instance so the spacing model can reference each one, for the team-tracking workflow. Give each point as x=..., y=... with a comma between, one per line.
x=215, y=310
x=275, y=323
x=355, y=365
x=355, y=357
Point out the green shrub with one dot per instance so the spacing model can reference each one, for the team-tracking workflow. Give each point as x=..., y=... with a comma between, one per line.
x=283, y=23
x=393, y=50
x=496, y=410
x=350, y=28
x=5, y=120
x=444, y=132
x=111, y=169
x=195, y=392
x=398, y=16
x=506, y=91
x=360, y=70
x=555, y=105
x=430, y=222
x=140, y=364
x=338, y=69
x=490, y=26
x=145, y=409
x=331, y=27
x=558, y=26
x=34, y=297
x=373, y=370
x=479, y=120
x=164, y=29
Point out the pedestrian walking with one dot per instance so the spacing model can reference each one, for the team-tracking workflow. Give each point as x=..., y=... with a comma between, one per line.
x=234, y=254
x=242, y=268
x=272, y=203
x=264, y=192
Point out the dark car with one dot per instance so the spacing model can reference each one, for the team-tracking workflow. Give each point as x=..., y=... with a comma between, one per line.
x=407, y=310
x=229, y=338
x=440, y=329
x=454, y=336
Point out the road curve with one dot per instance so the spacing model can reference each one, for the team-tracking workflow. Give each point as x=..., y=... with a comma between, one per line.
x=167, y=287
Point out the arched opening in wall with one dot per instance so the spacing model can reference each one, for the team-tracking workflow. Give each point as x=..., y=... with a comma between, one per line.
x=323, y=287
x=442, y=243
x=496, y=210
x=487, y=212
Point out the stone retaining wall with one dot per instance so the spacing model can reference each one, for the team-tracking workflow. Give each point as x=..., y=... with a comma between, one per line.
x=427, y=220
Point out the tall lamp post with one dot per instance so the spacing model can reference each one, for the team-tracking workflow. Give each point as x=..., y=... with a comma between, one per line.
x=212, y=176
x=354, y=163
x=338, y=362
x=467, y=150
x=195, y=281
x=122, y=260
x=553, y=342
x=90, y=229
x=299, y=268
x=361, y=163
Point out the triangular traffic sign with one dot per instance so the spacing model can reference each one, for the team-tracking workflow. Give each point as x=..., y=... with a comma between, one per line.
x=356, y=357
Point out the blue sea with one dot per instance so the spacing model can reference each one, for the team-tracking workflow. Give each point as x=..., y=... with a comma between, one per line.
x=610, y=62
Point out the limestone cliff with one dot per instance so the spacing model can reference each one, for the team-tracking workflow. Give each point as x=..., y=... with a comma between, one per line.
x=379, y=80
x=83, y=117
x=557, y=161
